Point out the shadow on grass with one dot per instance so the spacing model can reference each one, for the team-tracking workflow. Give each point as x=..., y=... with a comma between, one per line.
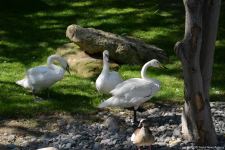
x=36, y=28
x=30, y=27
x=17, y=102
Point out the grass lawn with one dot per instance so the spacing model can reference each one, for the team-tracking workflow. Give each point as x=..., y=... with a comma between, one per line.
x=31, y=30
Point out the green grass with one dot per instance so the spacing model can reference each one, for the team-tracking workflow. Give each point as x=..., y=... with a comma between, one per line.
x=31, y=30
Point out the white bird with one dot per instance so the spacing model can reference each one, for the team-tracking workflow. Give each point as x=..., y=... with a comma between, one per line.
x=135, y=91
x=43, y=77
x=142, y=136
x=107, y=80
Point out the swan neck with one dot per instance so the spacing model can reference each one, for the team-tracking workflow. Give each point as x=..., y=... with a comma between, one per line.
x=53, y=58
x=105, y=66
x=143, y=71
x=50, y=61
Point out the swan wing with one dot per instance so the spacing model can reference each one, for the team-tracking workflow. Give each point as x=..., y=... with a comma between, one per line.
x=136, y=87
x=132, y=92
x=133, y=136
x=116, y=101
x=24, y=83
x=32, y=76
x=115, y=76
x=108, y=81
x=38, y=72
x=41, y=76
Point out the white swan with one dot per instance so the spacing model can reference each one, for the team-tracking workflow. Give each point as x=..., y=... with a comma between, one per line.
x=42, y=77
x=142, y=136
x=135, y=91
x=107, y=80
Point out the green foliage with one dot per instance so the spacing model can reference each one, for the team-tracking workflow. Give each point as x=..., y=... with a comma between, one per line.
x=31, y=30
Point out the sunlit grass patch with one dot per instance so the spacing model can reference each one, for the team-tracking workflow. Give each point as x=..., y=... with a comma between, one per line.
x=30, y=31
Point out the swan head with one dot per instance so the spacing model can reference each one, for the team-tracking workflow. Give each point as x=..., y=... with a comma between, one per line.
x=61, y=60
x=64, y=64
x=106, y=55
x=156, y=63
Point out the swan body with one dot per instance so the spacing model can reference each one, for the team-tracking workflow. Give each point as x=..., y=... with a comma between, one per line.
x=142, y=136
x=131, y=93
x=107, y=80
x=135, y=91
x=43, y=77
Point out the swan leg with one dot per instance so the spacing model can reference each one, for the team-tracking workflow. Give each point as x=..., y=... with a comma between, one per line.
x=135, y=118
x=36, y=98
x=33, y=93
x=149, y=147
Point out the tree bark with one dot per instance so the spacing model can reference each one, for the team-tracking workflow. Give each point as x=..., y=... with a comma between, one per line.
x=122, y=49
x=196, y=52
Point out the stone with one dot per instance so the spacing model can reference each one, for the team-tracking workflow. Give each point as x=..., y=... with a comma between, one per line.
x=175, y=142
x=33, y=139
x=25, y=143
x=82, y=63
x=11, y=146
x=176, y=132
x=76, y=137
x=11, y=138
x=130, y=130
x=68, y=146
x=112, y=124
x=61, y=122
x=162, y=128
x=96, y=146
x=94, y=135
x=169, y=133
x=152, y=111
x=106, y=141
x=126, y=50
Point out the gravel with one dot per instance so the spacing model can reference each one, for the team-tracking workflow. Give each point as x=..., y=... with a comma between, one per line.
x=112, y=130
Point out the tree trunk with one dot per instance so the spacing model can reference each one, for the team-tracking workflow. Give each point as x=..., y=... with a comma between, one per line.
x=196, y=53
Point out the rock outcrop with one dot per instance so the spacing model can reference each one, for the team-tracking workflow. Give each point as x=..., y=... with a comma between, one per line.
x=124, y=50
x=81, y=63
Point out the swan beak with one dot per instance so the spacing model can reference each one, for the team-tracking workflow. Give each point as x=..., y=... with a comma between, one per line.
x=107, y=57
x=161, y=66
x=68, y=69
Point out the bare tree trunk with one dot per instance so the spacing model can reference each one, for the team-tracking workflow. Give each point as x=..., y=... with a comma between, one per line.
x=196, y=52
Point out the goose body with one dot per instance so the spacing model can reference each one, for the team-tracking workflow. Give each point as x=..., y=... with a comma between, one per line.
x=142, y=136
x=43, y=77
x=135, y=91
x=107, y=80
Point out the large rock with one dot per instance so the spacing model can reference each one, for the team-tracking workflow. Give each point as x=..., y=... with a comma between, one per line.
x=122, y=49
x=81, y=63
